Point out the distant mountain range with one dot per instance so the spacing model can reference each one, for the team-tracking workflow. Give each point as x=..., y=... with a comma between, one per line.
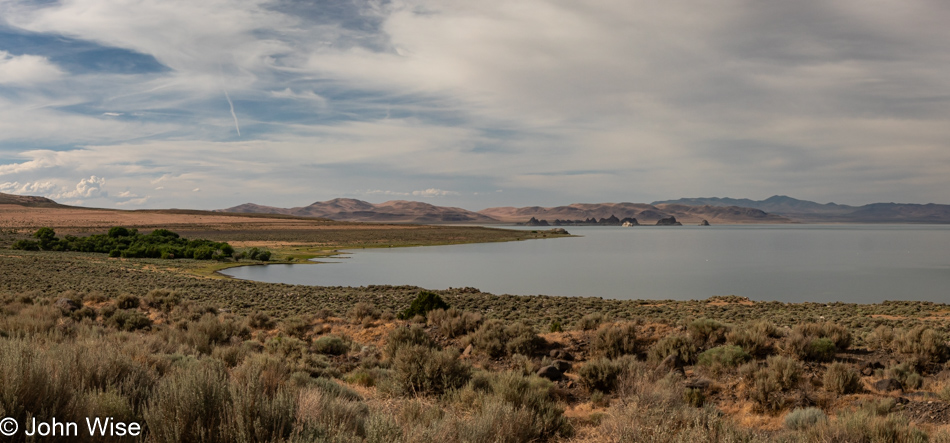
x=808, y=211
x=776, y=209
x=400, y=211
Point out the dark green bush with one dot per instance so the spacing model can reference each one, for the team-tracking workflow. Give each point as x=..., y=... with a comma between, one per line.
x=124, y=242
x=424, y=302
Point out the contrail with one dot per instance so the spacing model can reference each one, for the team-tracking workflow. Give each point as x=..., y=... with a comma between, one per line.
x=236, y=125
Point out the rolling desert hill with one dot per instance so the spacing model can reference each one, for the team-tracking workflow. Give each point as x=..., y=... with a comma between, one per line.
x=809, y=211
x=27, y=200
x=395, y=211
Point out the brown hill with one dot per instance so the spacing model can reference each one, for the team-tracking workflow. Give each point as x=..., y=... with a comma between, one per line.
x=26, y=200
x=644, y=213
x=396, y=211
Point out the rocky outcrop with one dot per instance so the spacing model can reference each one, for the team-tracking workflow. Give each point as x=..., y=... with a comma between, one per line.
x=550, y=373
x=704, y=223
x=669, y=221
x=609, y=221
x=536, y=222
x=888, y=385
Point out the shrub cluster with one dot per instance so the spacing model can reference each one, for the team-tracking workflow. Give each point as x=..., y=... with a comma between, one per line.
x=496, y=339
x=818, y=341
x=453, y=323
x=424, y=302
x=124, y=242
x=614, y=340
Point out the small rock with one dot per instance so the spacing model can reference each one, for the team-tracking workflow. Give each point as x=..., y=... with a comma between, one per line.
x=704, y=223
x=562, y=366
x=468, y=350
x=550, y=373
x=888, y=384
x=560, y=354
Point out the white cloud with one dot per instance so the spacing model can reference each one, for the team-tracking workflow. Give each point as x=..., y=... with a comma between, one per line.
x=134, y=202
x=26, y=69
x=433, y=192
x=302, y=95
x=86, y=188
x=534, y=96
x=30, y=188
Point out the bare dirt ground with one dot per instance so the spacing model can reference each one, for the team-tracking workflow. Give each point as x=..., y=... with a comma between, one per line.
x=82, y=219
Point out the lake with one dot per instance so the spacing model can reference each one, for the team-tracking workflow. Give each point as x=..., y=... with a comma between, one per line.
x=792, y=263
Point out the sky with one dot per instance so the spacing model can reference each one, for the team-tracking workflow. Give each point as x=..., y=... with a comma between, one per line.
x=209, y=104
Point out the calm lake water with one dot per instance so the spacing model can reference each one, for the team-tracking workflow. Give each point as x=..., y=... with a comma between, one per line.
x=794, y=263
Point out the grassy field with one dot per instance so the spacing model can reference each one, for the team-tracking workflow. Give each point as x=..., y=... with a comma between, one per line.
x=86, y=334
